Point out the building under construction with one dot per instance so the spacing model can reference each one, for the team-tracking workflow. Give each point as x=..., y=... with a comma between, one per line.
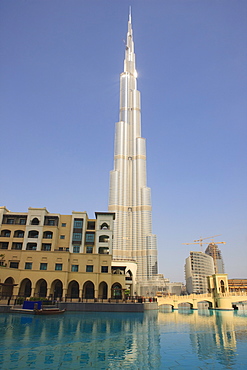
x=214, y=251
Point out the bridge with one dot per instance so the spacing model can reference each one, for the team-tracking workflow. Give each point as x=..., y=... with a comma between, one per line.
x=223, y=301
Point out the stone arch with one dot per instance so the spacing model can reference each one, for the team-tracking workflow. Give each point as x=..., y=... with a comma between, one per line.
x=7, y=287
x=104, y=226
x=116, y=291
x=73, y=289
x=205, y=304
x=185, y=305
x=222, y=286
x=25, y=288
x=35, y=221
x=88, y=290
x=57, y=289
x=103, y=290
x=129, y=275
x=41, y=288
x=166, y=307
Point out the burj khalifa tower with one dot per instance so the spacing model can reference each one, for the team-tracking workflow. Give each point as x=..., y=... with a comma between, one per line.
x=129, y=196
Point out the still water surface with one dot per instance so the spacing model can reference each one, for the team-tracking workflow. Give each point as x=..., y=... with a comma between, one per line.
x=175, y=340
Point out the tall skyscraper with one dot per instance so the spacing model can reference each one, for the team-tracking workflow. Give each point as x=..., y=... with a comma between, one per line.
x=129, y=196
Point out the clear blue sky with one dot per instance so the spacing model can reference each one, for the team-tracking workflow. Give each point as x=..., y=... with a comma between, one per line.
x=59, y=70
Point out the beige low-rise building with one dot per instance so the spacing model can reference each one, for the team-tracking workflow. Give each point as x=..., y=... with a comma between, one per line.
x=44, y=254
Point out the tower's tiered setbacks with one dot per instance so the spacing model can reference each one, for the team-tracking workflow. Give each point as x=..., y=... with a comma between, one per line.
x=129, y=196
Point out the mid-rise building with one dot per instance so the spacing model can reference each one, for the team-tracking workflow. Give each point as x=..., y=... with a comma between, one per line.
x=214, y=251
x=44, y=254
x=197, y=267
x=129, y=196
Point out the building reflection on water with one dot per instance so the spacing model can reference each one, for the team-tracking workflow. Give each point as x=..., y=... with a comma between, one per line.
x=80, y=340
x=122, y=340
x=212, y=333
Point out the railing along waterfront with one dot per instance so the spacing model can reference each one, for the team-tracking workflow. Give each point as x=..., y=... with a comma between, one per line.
x=18, y=300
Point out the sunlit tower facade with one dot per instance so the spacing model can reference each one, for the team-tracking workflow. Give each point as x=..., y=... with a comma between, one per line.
x=129, y=196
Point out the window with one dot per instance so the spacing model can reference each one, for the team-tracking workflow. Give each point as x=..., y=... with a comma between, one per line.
x=74, y=268
x=91, y=225
x=76, y=249
x=103, y=250
x=63, y=224
x=48, y=235
x=46, y=247
x=22, y=221
x=4, y=245
x=43, y=266
x=10, y=221
x=103, y=238
x=51, y=221
x=104, y=268
x=14, y=265
x=62, y=236
x=89, y=249
x=104, y=226
x=19, y=234
x=77, y=236
x=28, y=265
x=58, y=266
x=78, y=224
x=33, y=234
x=17, y=246
x=5, y=233
x=31, y=246
x=89, y=268
x=89, y=237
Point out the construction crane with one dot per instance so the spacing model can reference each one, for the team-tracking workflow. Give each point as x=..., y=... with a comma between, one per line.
x=200, y=241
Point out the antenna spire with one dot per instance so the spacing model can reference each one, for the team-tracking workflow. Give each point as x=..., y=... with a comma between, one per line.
x=130, y=13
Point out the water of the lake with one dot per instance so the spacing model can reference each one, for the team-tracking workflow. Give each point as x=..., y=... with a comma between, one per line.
x=153, y=340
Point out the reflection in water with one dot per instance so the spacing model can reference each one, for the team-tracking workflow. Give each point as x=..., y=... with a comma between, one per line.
x=212, y=334
x=80, y=340
x=152, y=340
x=220, y=341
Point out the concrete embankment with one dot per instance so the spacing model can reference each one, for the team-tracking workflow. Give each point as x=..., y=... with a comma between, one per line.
x=4, y=308
x=107, y=307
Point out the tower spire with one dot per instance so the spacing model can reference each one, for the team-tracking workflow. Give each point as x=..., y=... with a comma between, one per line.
x=129, y=61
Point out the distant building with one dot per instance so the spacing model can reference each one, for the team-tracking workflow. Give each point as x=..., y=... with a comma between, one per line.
x=197, y=267
x=44, y=254
x=161, y=286
x=237, y=285
x=214, y=251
